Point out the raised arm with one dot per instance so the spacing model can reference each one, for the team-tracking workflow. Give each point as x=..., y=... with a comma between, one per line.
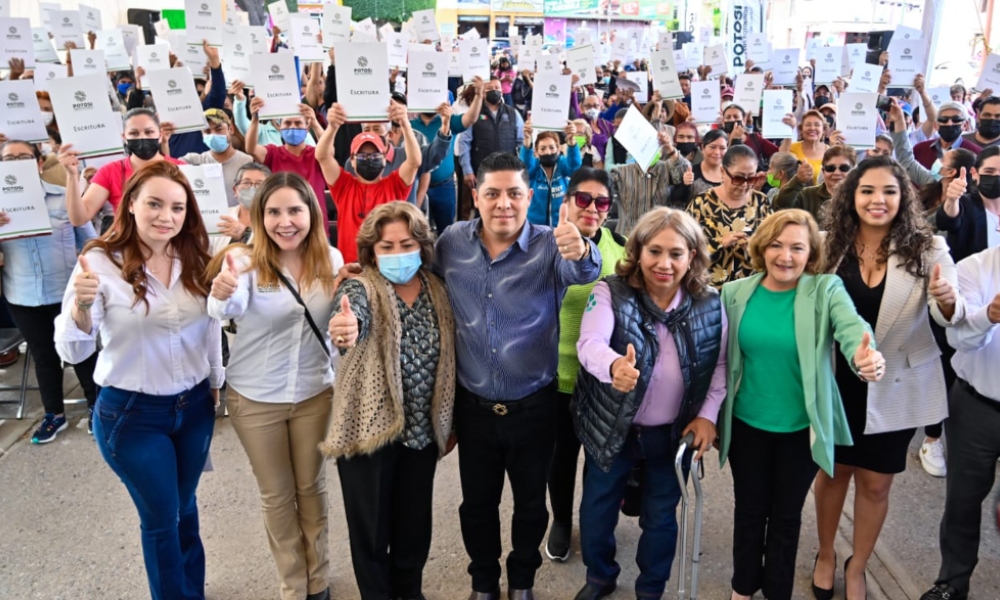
x=254, y=149
x=407, y=170
x=216, y=97
x=80, y=209
x=930, y=111
x=470, y=116
x=336, y=117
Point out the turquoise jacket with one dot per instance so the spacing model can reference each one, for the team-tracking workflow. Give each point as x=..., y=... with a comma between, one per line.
x=824, y=313
x=549, y=194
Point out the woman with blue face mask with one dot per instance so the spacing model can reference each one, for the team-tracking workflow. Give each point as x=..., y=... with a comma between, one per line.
x=280, y=372
x=395, y=389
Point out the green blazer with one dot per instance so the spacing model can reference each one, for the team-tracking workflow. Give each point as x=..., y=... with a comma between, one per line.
x=824, y=313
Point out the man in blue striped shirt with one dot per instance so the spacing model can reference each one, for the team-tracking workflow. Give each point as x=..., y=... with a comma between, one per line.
x=506, y=279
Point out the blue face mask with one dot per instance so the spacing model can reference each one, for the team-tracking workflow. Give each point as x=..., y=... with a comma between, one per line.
x=123, y=88
x=293, y=137
x=936, y=170
x=399, y=268
x=215, y=142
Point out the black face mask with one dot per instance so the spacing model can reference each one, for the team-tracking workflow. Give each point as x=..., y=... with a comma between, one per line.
x=494, y=97
x=370, y=170
x=949, y=133
x=686, y=148
x=989, y=128
x=989, y=186
x=548, y=160
x=729, y=126
x=820, y=101
x=143, y=148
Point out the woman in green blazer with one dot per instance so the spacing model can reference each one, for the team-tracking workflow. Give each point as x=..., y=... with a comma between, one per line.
x=783, y=413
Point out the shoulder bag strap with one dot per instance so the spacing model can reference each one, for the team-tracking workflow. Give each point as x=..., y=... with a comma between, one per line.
x=312, y=324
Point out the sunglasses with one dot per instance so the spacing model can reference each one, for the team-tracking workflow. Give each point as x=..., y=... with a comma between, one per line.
x=952, y=119
x=835, y=168
x=583, y=200
x=739, y=180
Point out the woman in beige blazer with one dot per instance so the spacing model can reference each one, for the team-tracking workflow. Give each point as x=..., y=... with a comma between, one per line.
x=893, y=268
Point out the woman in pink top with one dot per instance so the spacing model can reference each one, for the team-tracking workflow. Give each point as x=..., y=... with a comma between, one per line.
x=653, y=350
x=506, y=74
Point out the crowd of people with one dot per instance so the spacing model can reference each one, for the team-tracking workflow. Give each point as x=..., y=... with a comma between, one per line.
x=383, y=293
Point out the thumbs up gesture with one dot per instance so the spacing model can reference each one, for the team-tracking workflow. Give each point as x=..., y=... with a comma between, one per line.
x=623, y=372
x=941, y=289
x=225, y=283
x=344, y=325
x=688, y=176
x=868, y=363
x=85, y=284
x=956, y=189
x=568, y=237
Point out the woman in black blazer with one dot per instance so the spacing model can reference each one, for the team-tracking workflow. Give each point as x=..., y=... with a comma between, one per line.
x=972, y=221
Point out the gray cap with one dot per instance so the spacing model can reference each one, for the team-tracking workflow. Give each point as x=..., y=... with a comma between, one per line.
x=952, y=105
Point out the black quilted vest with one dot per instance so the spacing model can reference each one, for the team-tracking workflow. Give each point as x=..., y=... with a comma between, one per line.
x=602, y=416
x=491, y=135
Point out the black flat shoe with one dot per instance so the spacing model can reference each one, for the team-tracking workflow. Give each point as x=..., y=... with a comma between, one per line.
x=864, y=575
x=593, y=591
x=818, y=592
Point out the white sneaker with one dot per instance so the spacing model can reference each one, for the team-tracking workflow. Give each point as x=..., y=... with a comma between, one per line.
x=932, y=458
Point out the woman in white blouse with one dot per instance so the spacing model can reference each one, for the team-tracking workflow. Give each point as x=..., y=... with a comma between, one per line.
x=160, y=368
x=280, y=372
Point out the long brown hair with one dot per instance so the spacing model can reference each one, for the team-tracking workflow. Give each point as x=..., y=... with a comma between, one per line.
x=127, y=251
x=265, y=256
x=909, y=236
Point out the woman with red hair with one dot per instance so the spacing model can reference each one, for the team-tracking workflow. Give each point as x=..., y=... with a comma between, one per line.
x=140, y=288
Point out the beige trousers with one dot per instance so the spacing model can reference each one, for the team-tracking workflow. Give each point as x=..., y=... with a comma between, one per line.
x=282, y=442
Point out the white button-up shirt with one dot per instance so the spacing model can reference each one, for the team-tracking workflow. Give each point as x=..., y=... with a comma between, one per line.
x=275, y=356
x=976, y=339
x=167, y=351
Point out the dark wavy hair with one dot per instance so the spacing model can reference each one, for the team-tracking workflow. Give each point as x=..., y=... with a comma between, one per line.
x=909, y=235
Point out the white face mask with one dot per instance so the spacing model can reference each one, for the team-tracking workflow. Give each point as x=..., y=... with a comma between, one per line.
x=46, y=148
x=48, y=117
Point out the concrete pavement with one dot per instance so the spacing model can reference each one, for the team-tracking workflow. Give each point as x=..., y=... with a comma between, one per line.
x=69, y=531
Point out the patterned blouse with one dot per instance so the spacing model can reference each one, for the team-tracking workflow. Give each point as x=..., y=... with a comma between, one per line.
x=419, y=351
x=718, y=219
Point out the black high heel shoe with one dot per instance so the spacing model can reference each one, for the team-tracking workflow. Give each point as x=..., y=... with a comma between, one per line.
x=863, y=574
x=818, y=592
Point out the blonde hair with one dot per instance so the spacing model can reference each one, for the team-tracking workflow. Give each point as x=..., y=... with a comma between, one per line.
x=265, y=254
x=695, y=281
x=395, y=212
x=771, y=228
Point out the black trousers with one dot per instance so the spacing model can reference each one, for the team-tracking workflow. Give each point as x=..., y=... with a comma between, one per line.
x=562, y=473
x=37, y=325
x=973, y=449
x=772, y=473
x=490, y=445
x=388, y=497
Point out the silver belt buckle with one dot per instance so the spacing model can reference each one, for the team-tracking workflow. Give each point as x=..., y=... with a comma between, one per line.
x=500, y=409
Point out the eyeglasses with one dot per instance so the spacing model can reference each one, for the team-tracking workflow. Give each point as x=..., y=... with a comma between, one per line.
x=583, y=200
x=739, y=180
x=367, y=156
x=18, y=157
x=834, y=168
x=951, y=119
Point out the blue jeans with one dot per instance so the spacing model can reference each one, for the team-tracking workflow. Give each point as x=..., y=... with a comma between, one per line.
x=442, y=200
x=157, y=445
x=602, y=498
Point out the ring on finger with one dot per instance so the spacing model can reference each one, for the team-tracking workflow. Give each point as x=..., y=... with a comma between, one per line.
x=340, y=339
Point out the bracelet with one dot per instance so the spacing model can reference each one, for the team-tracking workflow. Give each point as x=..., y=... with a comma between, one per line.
x=83, y=307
